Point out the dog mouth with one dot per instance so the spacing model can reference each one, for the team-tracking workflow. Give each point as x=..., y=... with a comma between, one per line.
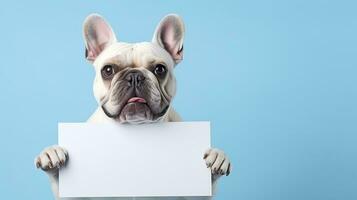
x=136, y=100
x=136, y=110
x=135, y=105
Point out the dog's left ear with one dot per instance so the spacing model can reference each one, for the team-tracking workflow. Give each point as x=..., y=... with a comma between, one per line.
x=169, y=34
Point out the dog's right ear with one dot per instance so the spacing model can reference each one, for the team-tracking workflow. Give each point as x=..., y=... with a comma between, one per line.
x=97, y=35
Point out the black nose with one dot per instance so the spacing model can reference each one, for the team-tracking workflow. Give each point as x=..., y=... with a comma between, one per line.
x=135, y=78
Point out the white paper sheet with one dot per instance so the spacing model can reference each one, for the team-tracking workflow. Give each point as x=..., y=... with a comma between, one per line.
x=113, y=160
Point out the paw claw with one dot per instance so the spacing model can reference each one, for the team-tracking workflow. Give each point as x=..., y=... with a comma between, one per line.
x=51, y=158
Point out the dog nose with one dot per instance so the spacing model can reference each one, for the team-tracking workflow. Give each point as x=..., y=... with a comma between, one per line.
x=135, y=78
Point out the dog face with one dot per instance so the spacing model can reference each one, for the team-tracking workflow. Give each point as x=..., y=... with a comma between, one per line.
x=134, y=83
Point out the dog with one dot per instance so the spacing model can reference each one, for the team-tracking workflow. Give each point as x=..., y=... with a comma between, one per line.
x=134, y=83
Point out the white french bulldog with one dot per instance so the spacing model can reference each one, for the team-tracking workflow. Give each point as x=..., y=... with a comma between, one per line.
x=134, y=83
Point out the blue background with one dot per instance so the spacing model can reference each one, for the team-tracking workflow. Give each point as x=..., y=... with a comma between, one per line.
x=276, y=78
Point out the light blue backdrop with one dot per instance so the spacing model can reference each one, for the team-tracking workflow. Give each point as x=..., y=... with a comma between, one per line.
x=277, y=79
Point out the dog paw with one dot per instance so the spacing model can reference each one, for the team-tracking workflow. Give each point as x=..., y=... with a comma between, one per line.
x=218, y=162
x=51, y=158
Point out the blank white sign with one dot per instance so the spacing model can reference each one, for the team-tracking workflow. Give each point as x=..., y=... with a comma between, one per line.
x=113, y=160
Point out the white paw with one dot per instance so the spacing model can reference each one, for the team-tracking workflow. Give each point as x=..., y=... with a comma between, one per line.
x=51, y=158
x=218, y=162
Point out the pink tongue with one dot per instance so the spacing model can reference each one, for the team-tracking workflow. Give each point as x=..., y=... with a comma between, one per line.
x=136, y=99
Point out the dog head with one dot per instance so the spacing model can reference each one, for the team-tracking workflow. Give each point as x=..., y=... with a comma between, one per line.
x=134, y=82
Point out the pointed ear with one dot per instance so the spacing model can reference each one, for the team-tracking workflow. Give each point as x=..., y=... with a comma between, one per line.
x=97, y=35
x=169, y=34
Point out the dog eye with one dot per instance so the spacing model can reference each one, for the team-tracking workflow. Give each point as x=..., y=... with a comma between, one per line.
x=107, y=71
x=160, y=70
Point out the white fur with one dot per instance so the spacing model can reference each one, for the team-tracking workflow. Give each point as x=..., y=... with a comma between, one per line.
x=54, y=157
